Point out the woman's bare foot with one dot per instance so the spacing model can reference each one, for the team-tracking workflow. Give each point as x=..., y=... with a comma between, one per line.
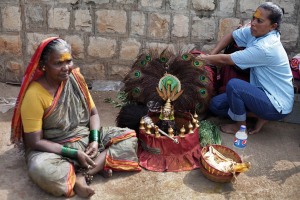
x=230, y=128
x=106, y=173
x=259, y=124
x=81, y=188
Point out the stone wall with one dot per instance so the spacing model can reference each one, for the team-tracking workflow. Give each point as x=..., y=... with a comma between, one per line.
x=106, y=35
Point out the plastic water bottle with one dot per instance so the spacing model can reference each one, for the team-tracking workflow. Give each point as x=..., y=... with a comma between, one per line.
x=240, y=141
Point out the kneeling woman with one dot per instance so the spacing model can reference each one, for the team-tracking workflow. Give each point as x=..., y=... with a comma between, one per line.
x=58, y=120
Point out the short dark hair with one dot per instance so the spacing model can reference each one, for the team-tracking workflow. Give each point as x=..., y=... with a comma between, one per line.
x=276, y=13
x=54, y=45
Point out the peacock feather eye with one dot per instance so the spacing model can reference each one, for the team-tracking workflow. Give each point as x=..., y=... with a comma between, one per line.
x=203, y=92
x=163, y=59
x=148, y=58
x=185, y=57
x=137, y=74
x=143, y=62
x=196, y=63
x=203, y=79
x=136, y=91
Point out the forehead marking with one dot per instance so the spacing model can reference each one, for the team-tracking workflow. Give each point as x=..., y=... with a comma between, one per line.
x=257, y=14
x=65, y=56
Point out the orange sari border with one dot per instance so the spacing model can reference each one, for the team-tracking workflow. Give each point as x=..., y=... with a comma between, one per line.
x=55, y=101
x=81, y=82
x=82, y=85
x=32, y=73
x=121, y=138
x=75, y=139
x=121, y=165
x=71, y=182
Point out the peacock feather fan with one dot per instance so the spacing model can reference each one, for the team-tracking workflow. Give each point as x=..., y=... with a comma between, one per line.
x=141, y=82
x=196, y=81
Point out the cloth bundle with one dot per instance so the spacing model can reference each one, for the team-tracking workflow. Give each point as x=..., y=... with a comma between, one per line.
x=295, y=66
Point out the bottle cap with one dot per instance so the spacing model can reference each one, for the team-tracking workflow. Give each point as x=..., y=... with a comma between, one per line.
x=243, y=127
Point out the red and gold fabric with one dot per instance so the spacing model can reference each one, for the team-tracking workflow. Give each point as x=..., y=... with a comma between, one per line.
x=164, y=155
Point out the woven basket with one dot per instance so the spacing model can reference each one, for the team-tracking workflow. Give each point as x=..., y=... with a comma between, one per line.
x=216, y=178
x=229, y=153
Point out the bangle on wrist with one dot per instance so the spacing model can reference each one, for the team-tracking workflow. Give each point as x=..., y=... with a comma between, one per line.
x=94, y=136
x=69, y=152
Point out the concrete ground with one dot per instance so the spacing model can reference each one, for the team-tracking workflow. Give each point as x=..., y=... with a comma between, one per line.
x=274, y=154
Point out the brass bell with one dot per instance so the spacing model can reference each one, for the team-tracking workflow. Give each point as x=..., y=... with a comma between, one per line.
x=191, y=128
x=182, y=131
x=148, y=130
x=142, y=124
x=171, y=132
x=195, y=116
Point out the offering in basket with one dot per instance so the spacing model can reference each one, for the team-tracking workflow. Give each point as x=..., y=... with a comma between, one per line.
x=221, y=164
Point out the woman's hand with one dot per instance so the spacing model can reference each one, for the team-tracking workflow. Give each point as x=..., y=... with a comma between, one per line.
x=92, y=149
x=85, y=160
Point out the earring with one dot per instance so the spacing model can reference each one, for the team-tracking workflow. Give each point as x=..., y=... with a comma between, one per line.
x=43, y=69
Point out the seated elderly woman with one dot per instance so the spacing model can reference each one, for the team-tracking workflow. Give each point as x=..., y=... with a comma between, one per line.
x=270, y=93
x=57, y=119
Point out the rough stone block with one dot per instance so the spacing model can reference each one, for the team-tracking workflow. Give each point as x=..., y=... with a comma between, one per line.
x=226, y=8
x=68, y=1
x=36, y=1
x=159, y=26
x=10, y=45
x=288, y=6
x=129, y=49
x=207, y=48
x=160, y=46
x=11, y=18
x=93, y=71
x=77, y=45
x=96, y=1
x=126, y=1
x=180, y=26
x=152, y=3
x=34, y=39
x=83, y=20
x=102, y=47
x=2, y=72
x=137, y=23
x=178, y=4
x=203, y=4
x=59, y=18
x=34, y=17
x=203, y=28
x=247, y=7
x=111, y=21
x=227, y=25
x=13, y=72
x=289, y=36
x=118, y=72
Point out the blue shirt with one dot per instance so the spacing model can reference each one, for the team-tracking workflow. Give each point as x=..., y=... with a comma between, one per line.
x=269, y=66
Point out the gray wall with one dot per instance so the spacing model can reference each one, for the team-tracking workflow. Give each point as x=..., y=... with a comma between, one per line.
x=106, y=35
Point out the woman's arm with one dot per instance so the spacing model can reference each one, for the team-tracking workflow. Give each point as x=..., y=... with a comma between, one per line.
x=92, y=148
x=35, y=141
x=94, y=119
x=224, y=42
x=217, y=60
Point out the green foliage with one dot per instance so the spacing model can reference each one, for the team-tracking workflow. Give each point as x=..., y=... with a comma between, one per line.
x=120, y=101
x=209, y=133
